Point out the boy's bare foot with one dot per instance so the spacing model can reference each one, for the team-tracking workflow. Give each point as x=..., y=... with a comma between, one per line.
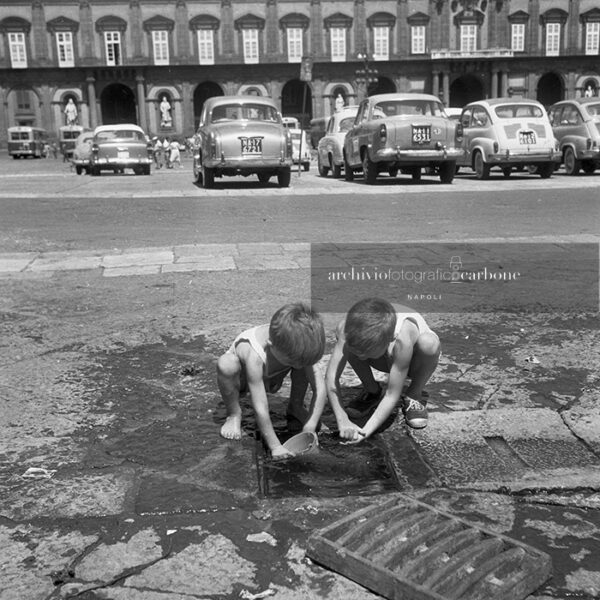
x=232, y=428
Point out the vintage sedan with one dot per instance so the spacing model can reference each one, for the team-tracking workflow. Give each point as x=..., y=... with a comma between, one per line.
x=330, y=149
x=508, y=133
x=82, y=153
x=406, y=132
x=576, y=125
x=119, y=147
x=242, y=135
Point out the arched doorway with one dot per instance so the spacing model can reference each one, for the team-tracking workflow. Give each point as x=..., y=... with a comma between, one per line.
x=465, y=89
x=117, y=103
x=294, y=95
x=550, y=89
x=382, y=86
x=204, y=91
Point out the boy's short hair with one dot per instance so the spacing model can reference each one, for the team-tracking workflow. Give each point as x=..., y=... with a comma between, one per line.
x=297, y=331
x=370, y=323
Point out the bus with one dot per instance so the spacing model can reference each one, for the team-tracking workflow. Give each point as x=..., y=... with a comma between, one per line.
x=24, y=141
x=67, y=137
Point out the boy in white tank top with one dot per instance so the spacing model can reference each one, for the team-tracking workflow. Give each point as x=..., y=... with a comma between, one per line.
x=258, y=361
x=376, y=335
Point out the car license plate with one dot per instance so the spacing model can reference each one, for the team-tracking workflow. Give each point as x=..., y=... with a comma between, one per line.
x=527, y=137
x=121, y=154
x=251, y=145
x=421, y=134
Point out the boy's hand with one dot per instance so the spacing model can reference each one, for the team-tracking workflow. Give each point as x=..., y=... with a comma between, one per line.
x=351, y=432
x=281, y=453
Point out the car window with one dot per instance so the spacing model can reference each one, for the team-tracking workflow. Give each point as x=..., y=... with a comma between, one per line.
x=123, y=134
x=513, y=111
x=554, y=115
x=346, y=124
x=246, y=112
x=362, y=113
x=465, y=117
x=594, y=110
x=570, y=115
x=480, y=117
x=392, y=108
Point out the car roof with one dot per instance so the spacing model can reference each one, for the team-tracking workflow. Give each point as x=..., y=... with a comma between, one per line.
x=405, y=96
x=118, y=127
x=507, y=100
x=241, y=99
x=582, y=100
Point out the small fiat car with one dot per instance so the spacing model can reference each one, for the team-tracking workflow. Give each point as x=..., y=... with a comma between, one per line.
x=330, y=149
x=508, y=133
x=576, y=125
x=406, y=132
x=242, y=135
x=83, y=152
x=300, y=148
x=119, y=147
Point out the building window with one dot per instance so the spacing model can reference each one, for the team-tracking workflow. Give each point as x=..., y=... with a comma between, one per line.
x=112, y=46
x=160, y=46
x=18, y=51
x=250, y=44
x=206, y=46
x=468, y=38
x=338, y=44
x=517, y=37
x=552, y=39
x=417, y=39
x=294, y=44
x=592, y=37
x=381, y=43
x=23, y=101
x=64, y=49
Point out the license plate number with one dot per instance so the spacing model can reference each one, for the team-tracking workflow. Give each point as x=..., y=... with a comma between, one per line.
x=123, y=154
x=526, y=137
x=421, y=135
x=252, y=145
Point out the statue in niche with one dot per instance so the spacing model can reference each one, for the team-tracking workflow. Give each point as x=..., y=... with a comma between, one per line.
x=70, y=112
x=165, y=113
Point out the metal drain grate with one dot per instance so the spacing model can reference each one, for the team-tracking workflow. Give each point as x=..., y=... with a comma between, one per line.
x=407, y=550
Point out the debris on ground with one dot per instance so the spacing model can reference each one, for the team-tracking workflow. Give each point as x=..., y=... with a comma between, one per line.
x=38, y=473
x=262, y=537
x=250, y=596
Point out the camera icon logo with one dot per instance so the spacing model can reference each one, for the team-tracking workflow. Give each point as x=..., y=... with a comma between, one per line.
x=455, y=267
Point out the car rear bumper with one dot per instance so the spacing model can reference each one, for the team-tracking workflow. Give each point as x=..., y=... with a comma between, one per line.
x=245, y=164
x=527, y=158
x=121, y=162
x=416, y=156
x=590, y=155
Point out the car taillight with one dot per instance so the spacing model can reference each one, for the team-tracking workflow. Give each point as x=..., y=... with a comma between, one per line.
x=289, y=146
x=94, y=148
x=496, y=147
x=459, y=131
x=589, y=143
x=213, y=145
x=383, y=132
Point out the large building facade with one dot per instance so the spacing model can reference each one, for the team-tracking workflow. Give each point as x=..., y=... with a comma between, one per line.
x=119, y=60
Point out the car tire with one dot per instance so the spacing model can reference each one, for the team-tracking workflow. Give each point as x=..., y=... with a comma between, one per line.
x=415, y=173
x=146, y=170
x=572, y=165
x=369, y=169
x=393, y=172
x=323, y=170
x=78, y=169
x=264, y=178
x=306, y=166
x=447, y=171
x=506, y=171
x=284, y=177
x=481, y=168
x=208, y=177
x=588, y=166
x=94, y=171
x=348, y=172
x=336, y=171
x=545, y=170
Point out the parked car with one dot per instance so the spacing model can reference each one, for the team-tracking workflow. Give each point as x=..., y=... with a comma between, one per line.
x=507, y=133
x=119, y=147
x=300, y=148
x=317, y=130
x=453, y=112
x=242, y=135
x=290, y=122
x=576, y=125
x=330, y=149
x=406, y=132
x=82, y=152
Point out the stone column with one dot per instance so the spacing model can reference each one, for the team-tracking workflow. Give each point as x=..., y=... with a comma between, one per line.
x=534, y=20
x=402, y=29
x=135, y=19
x=187, y=108
x=316, y=29
x=573, y=30
x=3, y=118
x=227, y=28
x=504, y=84
x=495, y=77
x=87, y=33
x=39, y=33
x=435, y=83
x=361, y=42
x=272, y=33
x=91, y=92
x=182, y=32
x=141, y=101
x=446, y=88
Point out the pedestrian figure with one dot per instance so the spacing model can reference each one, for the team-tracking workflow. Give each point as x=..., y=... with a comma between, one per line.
x=174, y=154
x=46, y=150
x=167, y=152
x=159, y=152
x=54, y=148
x=395, y=340
x=258, y=361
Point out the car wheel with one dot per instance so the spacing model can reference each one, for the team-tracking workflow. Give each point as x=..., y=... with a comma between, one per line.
x=572, y=165
x=545, y=170
x=94, y=171
x=447, y=171
x=323, y=170
x=264, y=178
x=393, y=172
x=369, y=169
x=336, y=171
x=78, y=169
x=208, y=177
x=146, y=170
x=588, y=167
x=415, y=173
x=482, y=170
x=284, y=176
x=533, y=169
x=348, y=172
x=306, y=166
x=506, y=171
